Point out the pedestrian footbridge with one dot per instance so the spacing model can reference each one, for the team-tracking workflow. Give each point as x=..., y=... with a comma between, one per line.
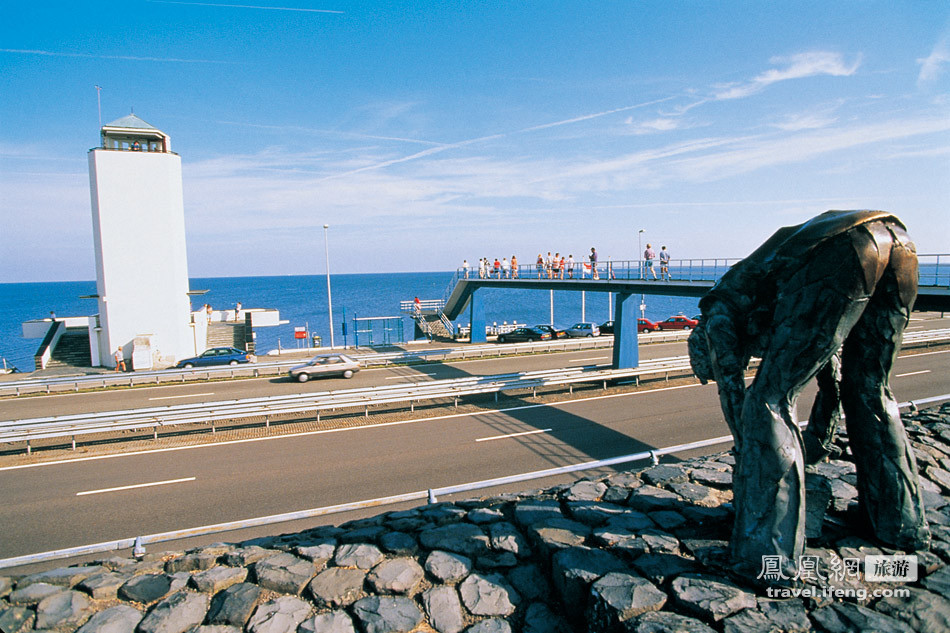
x=626, y=280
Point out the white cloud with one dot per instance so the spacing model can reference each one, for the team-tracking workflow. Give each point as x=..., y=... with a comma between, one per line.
x=795, y=67
x=932, y=66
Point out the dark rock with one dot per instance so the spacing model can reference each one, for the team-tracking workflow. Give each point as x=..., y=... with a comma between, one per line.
x=697, y=494
x=462, y=538
x=387, y=614
x=284, y=573
x=177, y=613
x=938, y=582
x=505, y=537
x=488, y=595
x=496, y=560
x=557, y=534
x=665, y=622
x=539, y=618
x=16, y=619
x=485, y=515
x=33, y=594
x=359, y=555
x=234, y=605
x=281, y=615
x=67, y=577
x=664, y=475
x=396, y=575
x=399, y=543
x=447, y=566
x=661, y=567
x=667, y=519
x=787, y=616
x=218, y=578
x=146, y=589
x=710, y=599
x=651, y=498
x=617, y=597
x=491, y=625
x=922, y=611
x=585, y=491
x=332, y=622
x=118, y=619
x=104, y=586
x=192, y=562
x=711, y=477
x=243, y=556
x=574, y=570
x=844, y=617
x=337, y=586
x=530, y=583
x=444, y=609
x=528, y=513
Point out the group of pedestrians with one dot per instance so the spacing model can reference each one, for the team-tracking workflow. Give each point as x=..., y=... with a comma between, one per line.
x=558, y=266
x=649, y=257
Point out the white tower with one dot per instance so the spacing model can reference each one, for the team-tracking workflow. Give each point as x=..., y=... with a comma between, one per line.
x=138, y=223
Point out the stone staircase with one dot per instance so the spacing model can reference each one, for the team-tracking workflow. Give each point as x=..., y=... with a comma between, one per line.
x=433, y=327
x=226, y=334
x=72, y=350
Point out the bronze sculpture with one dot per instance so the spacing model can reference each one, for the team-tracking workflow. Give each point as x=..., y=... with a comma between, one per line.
x=829, y=299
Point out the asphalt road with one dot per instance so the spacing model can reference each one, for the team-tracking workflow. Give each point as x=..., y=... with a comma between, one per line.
x=57, y=505
x=174, y=394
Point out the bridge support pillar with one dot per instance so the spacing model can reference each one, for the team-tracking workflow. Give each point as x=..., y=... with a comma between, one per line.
x=626, y=351
x=476, y=312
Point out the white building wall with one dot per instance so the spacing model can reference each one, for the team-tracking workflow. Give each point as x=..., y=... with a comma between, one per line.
x=141, y=262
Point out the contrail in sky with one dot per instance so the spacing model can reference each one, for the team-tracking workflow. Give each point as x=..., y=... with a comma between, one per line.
x=125, y=57
x=242, y=6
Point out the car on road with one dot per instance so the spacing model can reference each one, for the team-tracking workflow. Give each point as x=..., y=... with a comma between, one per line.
x=579, y=330
x=553, y=331
x=523, y=335
x=216, y=356
x=325, y=365
x=678, y=322
x=643, y=326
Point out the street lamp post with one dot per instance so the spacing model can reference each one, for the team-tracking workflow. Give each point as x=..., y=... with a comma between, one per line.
x=326, y=245
x=639, y=250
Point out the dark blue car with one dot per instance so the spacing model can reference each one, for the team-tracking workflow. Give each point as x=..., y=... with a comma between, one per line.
x=216, y=356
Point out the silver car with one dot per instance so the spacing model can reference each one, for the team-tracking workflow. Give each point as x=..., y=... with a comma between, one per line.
x=325, y=365
x=583, y=329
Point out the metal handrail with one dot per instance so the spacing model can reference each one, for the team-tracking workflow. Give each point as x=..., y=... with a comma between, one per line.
x=431, y=495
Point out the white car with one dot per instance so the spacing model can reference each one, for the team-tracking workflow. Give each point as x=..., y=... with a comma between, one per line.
x=325, y=365
x=579, y=330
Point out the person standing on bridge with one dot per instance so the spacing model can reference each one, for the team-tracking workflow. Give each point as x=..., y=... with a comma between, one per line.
x=505, y=268
x=465, y=267
x=593, y=264
x=648, y=256
x=514, y=266
x=665, y=264
x=570, y=267
x=555, y=266
x=540, y=264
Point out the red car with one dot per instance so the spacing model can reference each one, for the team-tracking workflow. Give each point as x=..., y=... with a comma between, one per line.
x=646, y=325
x=678, y=322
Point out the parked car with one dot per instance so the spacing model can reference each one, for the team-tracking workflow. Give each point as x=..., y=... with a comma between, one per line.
x=524, y=334
x=216, y=356
x=553, y=331
x=583, y=329
x=678, y=322
x=325, y=365
x=643, y=326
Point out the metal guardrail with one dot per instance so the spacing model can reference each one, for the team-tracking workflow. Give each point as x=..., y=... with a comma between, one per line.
x=212, y=413
x=262, y=369
x=137, y=544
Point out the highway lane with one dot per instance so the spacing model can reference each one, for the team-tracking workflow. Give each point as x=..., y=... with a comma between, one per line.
x=44, y=509
x=173, y=394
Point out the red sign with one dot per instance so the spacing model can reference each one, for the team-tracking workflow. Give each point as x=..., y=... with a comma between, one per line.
x=300, y=332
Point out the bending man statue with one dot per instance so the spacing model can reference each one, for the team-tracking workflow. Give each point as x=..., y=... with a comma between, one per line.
x=829, y=299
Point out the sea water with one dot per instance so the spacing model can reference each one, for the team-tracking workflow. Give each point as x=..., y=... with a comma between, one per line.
x=302, y=302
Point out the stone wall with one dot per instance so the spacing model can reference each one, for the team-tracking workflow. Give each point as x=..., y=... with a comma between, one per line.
x=642, y=551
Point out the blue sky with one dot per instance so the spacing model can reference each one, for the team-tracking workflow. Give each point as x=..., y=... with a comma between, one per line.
x=429, y=132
